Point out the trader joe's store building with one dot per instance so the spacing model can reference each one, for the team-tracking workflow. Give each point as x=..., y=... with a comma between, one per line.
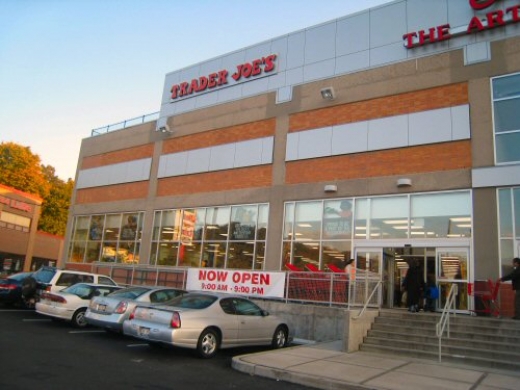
x=388, y=135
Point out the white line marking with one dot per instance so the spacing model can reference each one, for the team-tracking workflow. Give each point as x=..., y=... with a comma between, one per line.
x=87, y=331
x=35, y=319
x=137, y=345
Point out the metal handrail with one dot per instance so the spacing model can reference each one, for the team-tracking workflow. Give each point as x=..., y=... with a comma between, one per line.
x=368, y=300
x=126, y=123
x=444, y=322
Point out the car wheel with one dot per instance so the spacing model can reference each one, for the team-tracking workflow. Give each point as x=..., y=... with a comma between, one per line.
x=208, y=344
x=29, y=285
x=280, y=337
x=78, y=319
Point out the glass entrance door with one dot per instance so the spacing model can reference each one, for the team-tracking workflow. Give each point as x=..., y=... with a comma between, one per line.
x=368, y=275
x=452, y=267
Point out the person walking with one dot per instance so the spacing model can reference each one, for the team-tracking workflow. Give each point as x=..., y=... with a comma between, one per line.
x=514, y=277
x=414, y=285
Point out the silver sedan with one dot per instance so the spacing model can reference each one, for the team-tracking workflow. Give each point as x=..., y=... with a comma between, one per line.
x=206, y=322
x=110, y=311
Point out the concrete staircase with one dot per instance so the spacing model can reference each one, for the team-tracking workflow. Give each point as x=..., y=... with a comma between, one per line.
x=478, y=341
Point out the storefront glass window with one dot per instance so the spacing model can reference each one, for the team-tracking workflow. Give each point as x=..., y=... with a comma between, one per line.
x=307, y=224
x=506, y=104
x=106, y=237
x=389, y=217
x=446, y=215
x=217, y=237
x=337, y=219
x=505, y=211
x=321, y=232
x=217, y=223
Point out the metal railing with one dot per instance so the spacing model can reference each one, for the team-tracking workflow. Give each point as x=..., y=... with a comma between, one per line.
x=365, y=306
x=126, y=123
x=444, y=322
x=324, y=288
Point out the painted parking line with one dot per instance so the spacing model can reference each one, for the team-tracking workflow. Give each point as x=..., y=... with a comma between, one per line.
x=36, y=319
x=137, y=345
x=87, y=331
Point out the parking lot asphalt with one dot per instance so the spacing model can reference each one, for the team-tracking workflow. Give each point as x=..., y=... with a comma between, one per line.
x=326, y=366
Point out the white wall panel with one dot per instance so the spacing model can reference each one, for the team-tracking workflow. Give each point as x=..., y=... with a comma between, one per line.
x=291, y=148
x=387, y=54
x=430, y=126
x=248, y=153
x=294, y=76
x=320, y=43
x=350, y=138
x=295, y=50
x=319, y=70
x=267, y=150
x=496, y=176
x=353, y=34
x=388, y=133
x=353, y=62
x=460, y=122
x=222, y=157
x=198, y=160
x=279, y=47
x=126, y=172
x=387, y=24
x=423, y=14
x=315, y=143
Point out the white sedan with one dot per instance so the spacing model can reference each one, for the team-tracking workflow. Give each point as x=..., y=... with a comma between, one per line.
x=71, y=303
x=206, y=322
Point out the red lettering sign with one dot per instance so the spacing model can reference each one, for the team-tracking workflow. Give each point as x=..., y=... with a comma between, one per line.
x=245, y=71
x=477, y=24
x=481, y=4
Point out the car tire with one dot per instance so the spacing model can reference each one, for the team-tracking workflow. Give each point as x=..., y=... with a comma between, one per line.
x=78, y=319
x=280, y=337
x=29, y=286
x=208, y=343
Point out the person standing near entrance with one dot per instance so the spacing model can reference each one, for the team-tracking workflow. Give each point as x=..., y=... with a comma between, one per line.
x=414, y=285
x=514, y=277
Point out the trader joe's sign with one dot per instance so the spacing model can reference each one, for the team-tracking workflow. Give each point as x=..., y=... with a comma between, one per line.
x=246, y=71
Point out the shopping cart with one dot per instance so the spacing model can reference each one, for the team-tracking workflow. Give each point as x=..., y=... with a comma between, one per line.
x=488, y=299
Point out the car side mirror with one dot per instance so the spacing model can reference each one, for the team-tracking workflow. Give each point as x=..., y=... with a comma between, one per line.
x=265, y=313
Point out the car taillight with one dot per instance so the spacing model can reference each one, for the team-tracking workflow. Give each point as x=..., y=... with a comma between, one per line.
x=176, y=320
x=48, y=288
x=9, y=286
x=121, y=308
x=53, y=298
x=132, y=314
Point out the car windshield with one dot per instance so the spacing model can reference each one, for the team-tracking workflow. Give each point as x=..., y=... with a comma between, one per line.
x=192, y=301
x=44, y=275
x=129, y=293
x=20, y=277
x=81, y=290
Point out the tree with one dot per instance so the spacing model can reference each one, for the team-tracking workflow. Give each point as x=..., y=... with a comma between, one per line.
x=21, y=169
x=55, y=208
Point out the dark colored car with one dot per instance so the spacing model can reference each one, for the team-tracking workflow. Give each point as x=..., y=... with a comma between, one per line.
x=11, y=289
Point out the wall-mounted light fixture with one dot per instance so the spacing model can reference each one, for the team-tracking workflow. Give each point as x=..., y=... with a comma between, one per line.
x=162, y=125
x=330, y=188
x=328, y=93
x=404, y=182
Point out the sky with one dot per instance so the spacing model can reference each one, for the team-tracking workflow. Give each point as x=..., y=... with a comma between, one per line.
x=70, y=66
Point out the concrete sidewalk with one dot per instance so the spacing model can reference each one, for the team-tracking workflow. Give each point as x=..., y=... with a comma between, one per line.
x=326, y=366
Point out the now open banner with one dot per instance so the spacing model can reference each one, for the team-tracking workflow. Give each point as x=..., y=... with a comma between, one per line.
x=251, y=283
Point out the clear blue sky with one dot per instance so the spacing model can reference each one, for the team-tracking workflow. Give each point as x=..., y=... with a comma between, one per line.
x=69, y=66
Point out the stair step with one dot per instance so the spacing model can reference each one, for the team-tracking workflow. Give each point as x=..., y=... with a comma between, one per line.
x=449, y=347
x=480, y=341
x=458, y=359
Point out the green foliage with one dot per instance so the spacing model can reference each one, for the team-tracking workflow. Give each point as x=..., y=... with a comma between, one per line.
x=21, y=169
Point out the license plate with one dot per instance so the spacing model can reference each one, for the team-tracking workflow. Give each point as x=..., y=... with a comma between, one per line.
x=102, y=307
x=143, y=331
